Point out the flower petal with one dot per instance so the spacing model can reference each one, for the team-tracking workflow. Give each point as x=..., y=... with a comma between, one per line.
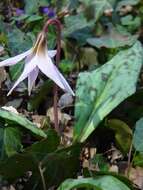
x=32, y=78
x=15, y=59
x=52, y=53
x=27, y=69
x=49, y=69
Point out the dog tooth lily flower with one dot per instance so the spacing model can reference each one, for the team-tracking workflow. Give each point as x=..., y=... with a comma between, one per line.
x=38, y=58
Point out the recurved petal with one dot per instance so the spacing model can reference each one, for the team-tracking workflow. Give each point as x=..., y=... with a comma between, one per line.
x=32, y=78
x=29, y=67
x=49, y=69
x=15, y=59
x=52, y=53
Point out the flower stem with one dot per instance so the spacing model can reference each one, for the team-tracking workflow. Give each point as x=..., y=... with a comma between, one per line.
x=57, y=23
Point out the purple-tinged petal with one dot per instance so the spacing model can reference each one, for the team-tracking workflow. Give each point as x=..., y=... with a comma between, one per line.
x=15, y=59
x=52, y=53
x=45, y=10
x=32, y=78
x=49, y=69
x=29, y=67
x=51, y=13
x=19, y=12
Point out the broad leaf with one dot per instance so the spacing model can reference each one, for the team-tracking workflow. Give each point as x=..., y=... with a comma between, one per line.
x=131, y=22
x=99, y=183
x=100, y=91
x=99, y=6
x=63, y=163
x=126, y=2
x=138, y=136
x=18, y=164
x=112, y=40
x=15, y=118
x=75, y=23
x=10, y=142
x=23, y=43
x=32, y=6
x=123, y=134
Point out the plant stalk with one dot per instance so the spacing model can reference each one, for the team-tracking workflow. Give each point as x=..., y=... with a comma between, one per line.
x=57, y=23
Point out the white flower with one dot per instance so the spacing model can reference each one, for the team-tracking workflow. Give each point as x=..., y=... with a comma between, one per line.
x=38, y=58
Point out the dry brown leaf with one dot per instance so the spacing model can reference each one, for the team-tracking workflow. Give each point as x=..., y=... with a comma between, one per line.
x=114, y=168
x=38, y=120
x=136, y=176
x=63, y=117
x=3, y=75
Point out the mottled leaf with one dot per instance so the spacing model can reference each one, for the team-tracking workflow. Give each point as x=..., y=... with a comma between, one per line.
x=99, y=6
x=126, y=2
x=112, y=40
x=75, y=23
x=138, y=136
x=32, y=6
x=99, y=183
x=100, y=91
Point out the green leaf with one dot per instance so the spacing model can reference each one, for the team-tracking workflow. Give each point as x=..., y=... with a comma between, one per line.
x=10, y=116
x=18, y=164
x=138, y=136
x=100, y=161
x=138, y=160
x=125, y=3
x=32, y=6
x=23, y=43
x=66, y=66
x=113, y=40
x=99, y=6
x=120, y=177
x=63, y=163
x=100, y=91
x=123, y=134
x=10, y=142
x=99, y=183
x=75, y=23
x=33, y=18
x=132, y=23
x=21, y=17
x=2, y=150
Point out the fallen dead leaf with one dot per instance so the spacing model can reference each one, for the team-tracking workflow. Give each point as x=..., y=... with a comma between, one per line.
x=136, y=176
x=3, y=75
x=63, y=117
x=114, y=168
x=38, y=120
